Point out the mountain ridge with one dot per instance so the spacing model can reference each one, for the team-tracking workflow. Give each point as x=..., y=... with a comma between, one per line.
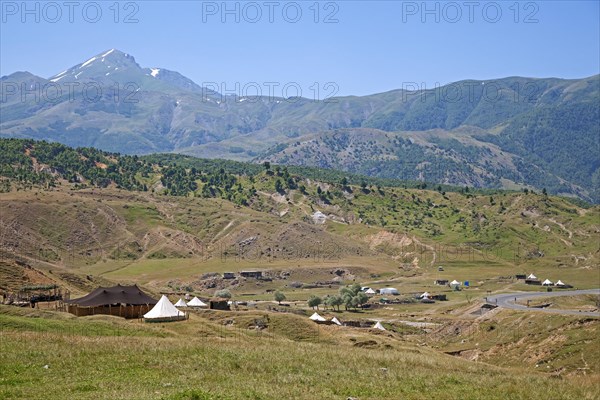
x=136, y=110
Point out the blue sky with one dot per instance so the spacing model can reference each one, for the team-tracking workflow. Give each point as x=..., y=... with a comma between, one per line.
x=363, y=47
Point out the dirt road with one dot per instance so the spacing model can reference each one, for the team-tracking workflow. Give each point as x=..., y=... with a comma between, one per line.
x=507, y=300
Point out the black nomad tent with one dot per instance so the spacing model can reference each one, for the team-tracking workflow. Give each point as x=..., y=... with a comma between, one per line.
x=122, y=301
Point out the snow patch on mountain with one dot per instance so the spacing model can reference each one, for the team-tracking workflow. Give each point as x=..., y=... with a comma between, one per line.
x=91, y=60
x=108, y=52
x=155, y=71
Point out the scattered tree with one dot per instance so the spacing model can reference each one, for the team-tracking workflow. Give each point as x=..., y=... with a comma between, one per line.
x=363, y=186
x=279, y=297
x=314, y=301
x=335, y=301
x=278, y=186
x=352, y=296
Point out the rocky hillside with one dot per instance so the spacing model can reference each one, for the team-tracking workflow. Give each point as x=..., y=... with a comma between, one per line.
x=63, y=208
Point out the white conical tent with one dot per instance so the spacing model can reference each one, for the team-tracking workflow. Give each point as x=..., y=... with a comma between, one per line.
x=532, y=276
x=559, y=283
x=164, y=310
x=379, y=326
x=317, y=318
x=196, y=302
x=425, y=295
x=336, y=321
x=319, y=218
x=455, y=282
x=370, y=292
x=180, y=303
x=547, y=282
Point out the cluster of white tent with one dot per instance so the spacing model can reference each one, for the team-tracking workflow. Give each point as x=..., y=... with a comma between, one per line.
x=195, y=302
x=558, y=283
x=319, y=319
x=371, y=292
x=322, y=320
x=165, y=311
x=547, y=282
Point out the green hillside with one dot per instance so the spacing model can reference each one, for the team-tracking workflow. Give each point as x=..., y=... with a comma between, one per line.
x=212, y=203
x=82, y=218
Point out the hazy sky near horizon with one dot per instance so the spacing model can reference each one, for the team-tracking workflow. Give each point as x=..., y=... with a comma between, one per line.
x=363, y=47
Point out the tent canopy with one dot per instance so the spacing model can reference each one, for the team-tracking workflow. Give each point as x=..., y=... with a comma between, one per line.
x=559, y=283
x=425, y=295
x=455, y=282
x=336, y=321
x=317, y=318
x=370, y=291
x=196, y=302
x=180, y=303
x=164, y=309
x=379, y=326
x=547, y=282
x=532, y=276
x=130, y=295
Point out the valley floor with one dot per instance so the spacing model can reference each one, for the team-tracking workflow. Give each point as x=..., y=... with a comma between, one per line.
x=413, y=240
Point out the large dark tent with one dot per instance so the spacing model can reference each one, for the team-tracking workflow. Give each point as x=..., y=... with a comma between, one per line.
x=122, y=301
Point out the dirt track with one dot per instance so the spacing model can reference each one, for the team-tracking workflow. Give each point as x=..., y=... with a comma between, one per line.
x=507, y=300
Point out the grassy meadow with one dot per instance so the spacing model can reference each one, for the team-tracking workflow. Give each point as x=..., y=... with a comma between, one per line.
x=109, y=358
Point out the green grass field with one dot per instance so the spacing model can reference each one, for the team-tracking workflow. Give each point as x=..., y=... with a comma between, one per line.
x=109, y=358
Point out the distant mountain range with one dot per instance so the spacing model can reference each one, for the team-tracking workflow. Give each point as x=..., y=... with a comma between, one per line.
x=507, y=133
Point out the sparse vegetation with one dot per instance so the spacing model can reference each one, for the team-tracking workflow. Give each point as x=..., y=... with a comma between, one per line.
x=80, y=236
x=133, y=361
x=279, y=296
x=224, y=293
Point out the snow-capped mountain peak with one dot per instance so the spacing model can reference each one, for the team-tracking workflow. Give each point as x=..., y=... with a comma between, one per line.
x=99, y=66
